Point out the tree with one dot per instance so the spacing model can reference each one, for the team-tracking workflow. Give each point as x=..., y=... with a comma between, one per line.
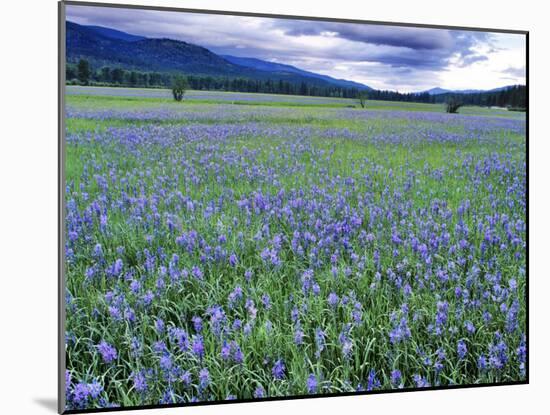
x=133, y=78
x=83, y=71
x=179, y=86
x=117, y=74
x=452, y=105
x=106, y=74
x=303, y=88
x=70, y=73
x=362, y=96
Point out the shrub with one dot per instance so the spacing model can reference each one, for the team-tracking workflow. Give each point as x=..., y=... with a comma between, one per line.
x=362, y=96
x=179, y=86
x=452, y=105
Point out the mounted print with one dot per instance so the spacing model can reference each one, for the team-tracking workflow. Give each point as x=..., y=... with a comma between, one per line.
x=258, y=207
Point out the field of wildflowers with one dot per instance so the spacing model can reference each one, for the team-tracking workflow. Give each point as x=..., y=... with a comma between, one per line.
x=218, y=251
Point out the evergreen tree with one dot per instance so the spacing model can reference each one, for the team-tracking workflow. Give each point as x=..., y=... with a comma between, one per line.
x=83, y=71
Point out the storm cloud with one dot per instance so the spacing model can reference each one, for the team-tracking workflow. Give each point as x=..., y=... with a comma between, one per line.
x=516, y=72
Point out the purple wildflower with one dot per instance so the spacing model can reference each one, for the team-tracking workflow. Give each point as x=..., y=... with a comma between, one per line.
x=108, y=352
x=461, y=349
x=311, y=384
x=233, y=260
x=140, y=381
x=198, y=346
x=332, y=299
x=278, y=369
x=259, y=392
x=204, y=378
x=396, y=379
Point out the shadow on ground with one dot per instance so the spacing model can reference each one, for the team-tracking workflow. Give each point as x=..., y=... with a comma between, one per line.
x=47, y=403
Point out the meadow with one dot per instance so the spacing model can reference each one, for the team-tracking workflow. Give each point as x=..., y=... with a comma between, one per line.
x=237, y=247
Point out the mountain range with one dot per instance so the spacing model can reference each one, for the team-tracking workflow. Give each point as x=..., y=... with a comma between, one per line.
x=280, y=67
x=103, y=46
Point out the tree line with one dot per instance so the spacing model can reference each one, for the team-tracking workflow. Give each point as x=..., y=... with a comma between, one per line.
x=83, y=74
x=514, y=97
x=107, y=76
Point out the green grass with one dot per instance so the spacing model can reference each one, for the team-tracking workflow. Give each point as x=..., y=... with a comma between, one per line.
x=130, y=102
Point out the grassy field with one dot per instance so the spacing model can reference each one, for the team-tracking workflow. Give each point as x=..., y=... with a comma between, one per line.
x=107, y=97
x=230, y=247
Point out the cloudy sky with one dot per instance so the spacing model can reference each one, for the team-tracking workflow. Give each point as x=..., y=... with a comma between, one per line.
x=383, y=57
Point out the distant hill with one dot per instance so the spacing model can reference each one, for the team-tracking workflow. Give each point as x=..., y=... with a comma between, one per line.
x=440, y=91
x=103, y=46
x=279, y=67
x=436, y=91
